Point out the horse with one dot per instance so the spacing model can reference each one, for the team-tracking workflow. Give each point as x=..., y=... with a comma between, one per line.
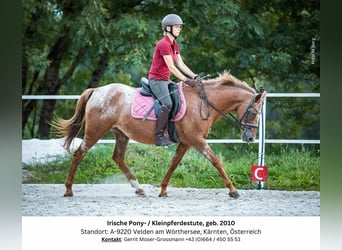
x=107, y=108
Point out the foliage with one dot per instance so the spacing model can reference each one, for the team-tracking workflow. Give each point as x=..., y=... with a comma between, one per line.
x=71, y=45
x=290, y=168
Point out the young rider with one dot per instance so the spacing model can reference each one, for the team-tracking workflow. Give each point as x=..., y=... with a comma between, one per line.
x=166, y=57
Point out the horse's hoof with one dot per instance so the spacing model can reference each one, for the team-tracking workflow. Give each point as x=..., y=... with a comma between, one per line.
x=163, y=195
x=140, y=192
x=234, y=195
x=68, y=194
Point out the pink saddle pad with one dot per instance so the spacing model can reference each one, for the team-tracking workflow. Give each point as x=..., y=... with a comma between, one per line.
x=142, y=104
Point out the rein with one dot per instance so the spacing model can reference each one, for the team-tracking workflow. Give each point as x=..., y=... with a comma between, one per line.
x=240, y=123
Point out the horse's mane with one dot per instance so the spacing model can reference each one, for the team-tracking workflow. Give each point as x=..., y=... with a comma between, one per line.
x=228, y=79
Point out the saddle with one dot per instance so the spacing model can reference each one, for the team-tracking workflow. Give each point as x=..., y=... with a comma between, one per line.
x=174, y=94
x=146, y=106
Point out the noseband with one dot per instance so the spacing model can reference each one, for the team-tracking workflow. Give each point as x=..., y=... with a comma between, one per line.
x=242, y=124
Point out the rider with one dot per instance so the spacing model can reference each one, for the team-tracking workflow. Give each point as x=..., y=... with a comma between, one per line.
x=165, y=56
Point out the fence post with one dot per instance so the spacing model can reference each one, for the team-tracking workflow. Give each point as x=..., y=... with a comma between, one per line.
x=262, y=125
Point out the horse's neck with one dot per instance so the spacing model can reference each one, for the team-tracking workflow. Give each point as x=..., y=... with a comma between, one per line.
x=228, y=98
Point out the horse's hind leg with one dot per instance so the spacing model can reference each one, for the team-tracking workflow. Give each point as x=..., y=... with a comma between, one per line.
x=121, y=142
x=76, y=159
x=89, y=139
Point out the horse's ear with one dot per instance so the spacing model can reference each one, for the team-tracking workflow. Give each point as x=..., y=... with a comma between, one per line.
x=260, y=96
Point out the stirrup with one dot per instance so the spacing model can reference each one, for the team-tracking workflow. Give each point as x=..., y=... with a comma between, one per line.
x=163, y=142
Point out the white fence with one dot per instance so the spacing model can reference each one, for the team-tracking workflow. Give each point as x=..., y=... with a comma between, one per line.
x=289, y=141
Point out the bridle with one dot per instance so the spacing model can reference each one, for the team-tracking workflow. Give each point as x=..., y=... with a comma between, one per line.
x=242, y=124
x=250, y=110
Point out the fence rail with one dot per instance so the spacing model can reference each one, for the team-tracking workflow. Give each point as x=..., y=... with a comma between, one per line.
x=284, y=141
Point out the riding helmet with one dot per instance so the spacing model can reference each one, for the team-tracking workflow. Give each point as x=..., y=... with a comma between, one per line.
x=171, y=19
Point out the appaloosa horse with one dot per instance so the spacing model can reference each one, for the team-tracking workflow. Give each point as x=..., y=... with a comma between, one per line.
x=109, y=108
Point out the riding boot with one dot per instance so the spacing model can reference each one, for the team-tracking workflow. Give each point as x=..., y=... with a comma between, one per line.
x=162, y=120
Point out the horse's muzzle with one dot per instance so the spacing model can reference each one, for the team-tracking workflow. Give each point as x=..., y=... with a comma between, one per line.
x=247, y=136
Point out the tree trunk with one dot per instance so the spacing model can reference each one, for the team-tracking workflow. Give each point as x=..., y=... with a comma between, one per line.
x=52, y=82
x=28, y=105
x=99, y=70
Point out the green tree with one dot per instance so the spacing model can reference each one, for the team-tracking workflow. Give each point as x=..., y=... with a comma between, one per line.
x=71, y=45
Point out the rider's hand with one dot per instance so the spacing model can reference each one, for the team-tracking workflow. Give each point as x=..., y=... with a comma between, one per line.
x=191, y=82
x=198, y=79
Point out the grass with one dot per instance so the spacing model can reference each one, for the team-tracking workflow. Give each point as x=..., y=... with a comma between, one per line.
x=289, y=167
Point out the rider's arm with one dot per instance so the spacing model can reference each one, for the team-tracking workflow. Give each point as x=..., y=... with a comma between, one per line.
x=183, y=67
x=169, y=62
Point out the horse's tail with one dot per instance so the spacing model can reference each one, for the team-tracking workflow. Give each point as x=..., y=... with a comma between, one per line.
x=72, y=127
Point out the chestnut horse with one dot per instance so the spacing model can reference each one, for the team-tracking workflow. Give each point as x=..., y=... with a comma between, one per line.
x=108, y=108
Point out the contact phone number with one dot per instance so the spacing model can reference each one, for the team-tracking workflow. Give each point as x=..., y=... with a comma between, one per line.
x=208, y=238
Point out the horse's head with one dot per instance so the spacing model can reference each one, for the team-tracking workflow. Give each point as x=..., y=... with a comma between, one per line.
x=248, y=116
x=239, y=97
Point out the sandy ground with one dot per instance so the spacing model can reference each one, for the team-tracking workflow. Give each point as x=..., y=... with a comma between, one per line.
x=120, y=200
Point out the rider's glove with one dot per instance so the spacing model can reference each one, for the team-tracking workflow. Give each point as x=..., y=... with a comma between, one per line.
x=192, y=82
x=198, y=79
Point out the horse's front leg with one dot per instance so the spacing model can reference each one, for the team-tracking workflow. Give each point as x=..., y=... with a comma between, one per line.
x=210, y=155
x=180, y=151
